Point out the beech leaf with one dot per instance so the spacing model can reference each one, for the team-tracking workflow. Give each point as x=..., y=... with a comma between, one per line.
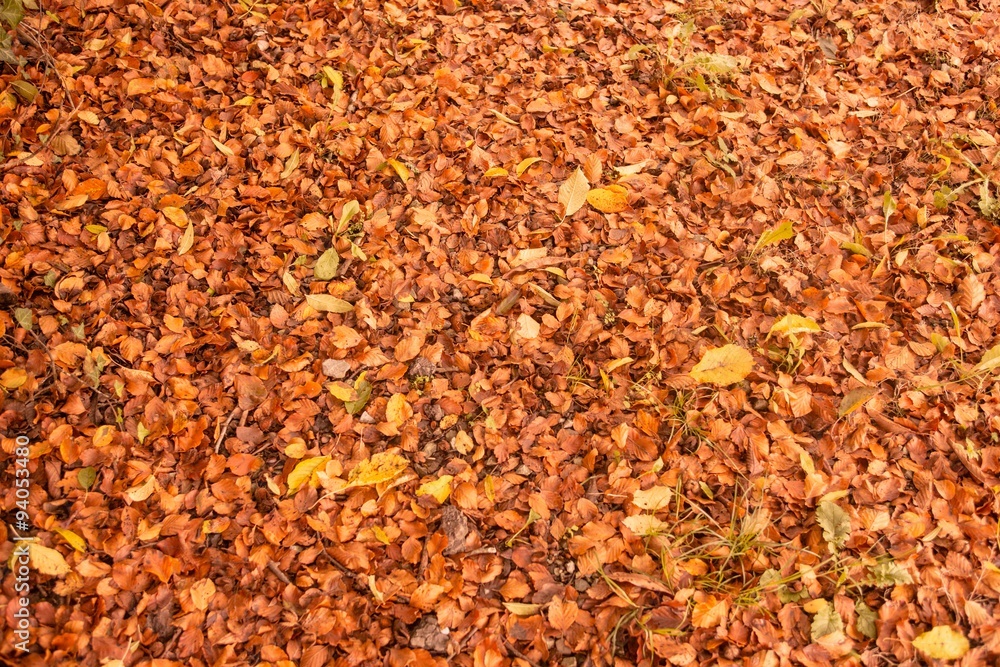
x=723, y=366
x=573, y=193
x=942, y=643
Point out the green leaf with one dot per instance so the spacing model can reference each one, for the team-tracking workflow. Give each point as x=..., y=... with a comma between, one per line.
x=943, y=197
x=780, y=233
x=890, y=573
x=835, y=522
x=86, y=477
x=327, y=265
x=826, y=622
x=865, y=621
x=11, y=12
x=24, y=317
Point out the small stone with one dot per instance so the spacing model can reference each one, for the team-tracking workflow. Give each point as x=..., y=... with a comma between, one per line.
x=336, y=368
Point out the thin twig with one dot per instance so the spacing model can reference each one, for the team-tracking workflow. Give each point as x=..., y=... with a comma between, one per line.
x=225, y=428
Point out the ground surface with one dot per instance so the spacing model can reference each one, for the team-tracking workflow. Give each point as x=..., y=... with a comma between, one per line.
x=474, y=433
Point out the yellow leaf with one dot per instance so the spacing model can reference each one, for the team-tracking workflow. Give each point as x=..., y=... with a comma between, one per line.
x=187, y=240
x=780, y=233
x=244, y=101
x=495, y=171
x=439, y=489
x=988, y=362
x=380, y=535
x=140, y=492
x=869, y=325
x=224, y=149
x=176, y=216
x=326, y=303
x=617, y=363
x=855, y=399
x=104, y=435
x=342, y=391
x=47, y=561
x=653, y=499
x=398, y=410
x=489, y=487
x=72, y=539
x=13, y=378
x=942, y=643
x=291, y=164
x=399, y=168
x=522, y=609
x=573, y=193
x=723, y=366
x=524, y=164
x=482, y=278
x=304, y=471
x=793, y=324
x=381, y=467
x=607, y=200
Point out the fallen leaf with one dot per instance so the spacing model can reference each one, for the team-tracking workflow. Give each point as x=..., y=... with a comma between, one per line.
x=942, y=643
x=573, y=193
x=723, y=366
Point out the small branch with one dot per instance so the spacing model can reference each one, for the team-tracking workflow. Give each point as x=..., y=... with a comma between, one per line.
x=225, y=428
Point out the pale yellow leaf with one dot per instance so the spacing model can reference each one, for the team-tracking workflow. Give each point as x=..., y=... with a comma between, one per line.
x=244, y=101
x=304, y=471
x=351, y=209
x=187, y=240
x=942, y=643
x=88, y=117
x=495, y=171
x=290, y=283
x=645, y=525
x=291, y=164
x=47, y=561
x=140, y=492
x=327, y=265
x=224, y=149
x=653, y=499
x=439, y=488
x=573, y=193
x=723, y=366
x=326, y=303
x=989, y=361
